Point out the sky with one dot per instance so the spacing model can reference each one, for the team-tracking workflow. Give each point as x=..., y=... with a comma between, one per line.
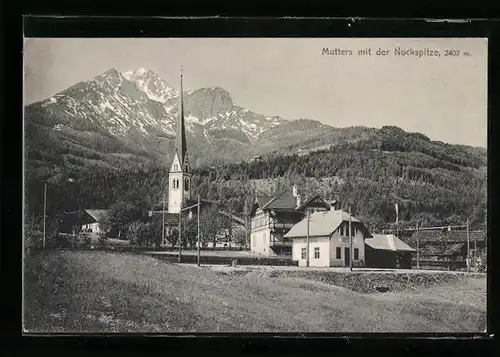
x=442, y=97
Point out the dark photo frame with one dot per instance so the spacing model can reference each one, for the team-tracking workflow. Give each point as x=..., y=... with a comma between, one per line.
x=144, y=27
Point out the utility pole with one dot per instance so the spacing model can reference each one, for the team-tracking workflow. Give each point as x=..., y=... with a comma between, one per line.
x=230, y=225
x=247, y=232
x=350, y=240
x=468, y=254
x=163, y=221
x=418, y=248
x=180, y=233
x=397, y=229
x=44, y=211
x=475, y=251
x=307, y=238
x=199, y=240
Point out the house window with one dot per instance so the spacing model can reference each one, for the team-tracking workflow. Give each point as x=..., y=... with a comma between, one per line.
x=186, y=184
x=303, y=253
x=316, y=253
x=341, y=229
x=356, y=253
x=339, y=252
x=175, y=183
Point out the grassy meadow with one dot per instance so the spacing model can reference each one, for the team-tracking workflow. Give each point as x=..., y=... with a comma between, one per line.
x=95, y=291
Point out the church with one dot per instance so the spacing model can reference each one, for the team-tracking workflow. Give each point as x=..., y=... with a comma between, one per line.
x=179, y=182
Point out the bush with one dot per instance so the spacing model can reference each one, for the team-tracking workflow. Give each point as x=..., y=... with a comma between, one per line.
x=144, y=234
x=61, y=240
x=87, y=239
x=103, y=241
x=133, y=233
x=33, y=239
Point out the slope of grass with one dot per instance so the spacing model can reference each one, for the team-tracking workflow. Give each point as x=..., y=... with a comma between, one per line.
x=106, y=292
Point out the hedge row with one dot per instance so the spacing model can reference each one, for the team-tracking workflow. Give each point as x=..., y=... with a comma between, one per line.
x=213, y=260
x=372, y=282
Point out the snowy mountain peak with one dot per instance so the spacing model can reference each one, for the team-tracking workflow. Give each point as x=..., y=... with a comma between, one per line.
x=155, y=87
x=140, y=72
x=138, y=106
x=110, y=73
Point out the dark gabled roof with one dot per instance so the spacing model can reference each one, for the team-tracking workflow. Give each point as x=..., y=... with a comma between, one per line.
x=446, y=236
x=97, y=214
x=283, y=200
x=311, y=200
x=261, y=200
x=173, y=218
x=170, y=218
x=442, y=249
x=204, y=202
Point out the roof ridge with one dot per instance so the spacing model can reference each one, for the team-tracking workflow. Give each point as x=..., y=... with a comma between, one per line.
x=274, y=198
x=392, y=241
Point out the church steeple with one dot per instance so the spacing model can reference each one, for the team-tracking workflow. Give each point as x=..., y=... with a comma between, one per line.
x=179, y=176
x=180, y=138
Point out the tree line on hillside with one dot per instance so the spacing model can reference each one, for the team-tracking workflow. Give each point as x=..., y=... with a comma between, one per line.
x=431, y=190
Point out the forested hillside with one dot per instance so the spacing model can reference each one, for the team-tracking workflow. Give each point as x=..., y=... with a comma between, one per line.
x=433, y=182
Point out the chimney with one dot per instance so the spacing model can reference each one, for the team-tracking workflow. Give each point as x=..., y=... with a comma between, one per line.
x=298, y=200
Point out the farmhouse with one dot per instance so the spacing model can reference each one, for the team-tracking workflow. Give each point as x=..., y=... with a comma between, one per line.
x=91, y=221
x=272, y=217
x=329, y=242
x=447, y=246
x=387, y=251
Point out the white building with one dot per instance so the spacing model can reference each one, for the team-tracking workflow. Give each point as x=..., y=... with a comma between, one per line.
x=273, y=216
x=92, y=220
x=329, y=243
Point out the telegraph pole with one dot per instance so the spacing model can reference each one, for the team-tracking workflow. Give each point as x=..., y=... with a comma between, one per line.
x=468, y=251
x=350, y=240
x=418, y=248
x=307, y=238
x=199, y=241
x=44, y=211
x=475, y=252
x=180, y=233
x=163, y=221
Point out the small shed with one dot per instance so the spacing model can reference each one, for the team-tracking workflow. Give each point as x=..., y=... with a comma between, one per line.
x=387, y=251
x=92, y=220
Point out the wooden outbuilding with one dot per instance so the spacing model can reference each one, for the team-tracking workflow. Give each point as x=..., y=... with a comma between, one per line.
x=387, y=251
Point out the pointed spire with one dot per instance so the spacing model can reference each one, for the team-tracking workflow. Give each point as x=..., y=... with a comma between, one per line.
x=180, y=138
